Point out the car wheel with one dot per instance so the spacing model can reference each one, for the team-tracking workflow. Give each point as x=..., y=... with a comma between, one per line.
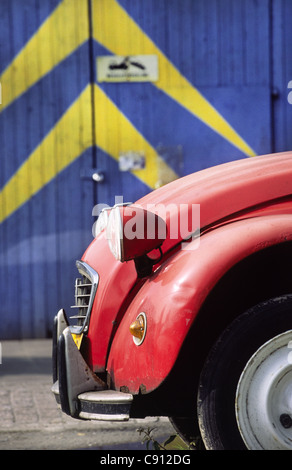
x=245, y=388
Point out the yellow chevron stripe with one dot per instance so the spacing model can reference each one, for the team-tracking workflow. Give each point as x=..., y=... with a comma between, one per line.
x=115, y=29
x=64, y=143
x=56, y=38
x=69, y=138
x=60, y=34
x=116, y=134
x=72, y=135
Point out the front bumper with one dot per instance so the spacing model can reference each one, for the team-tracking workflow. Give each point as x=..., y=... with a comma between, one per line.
x=78, y=391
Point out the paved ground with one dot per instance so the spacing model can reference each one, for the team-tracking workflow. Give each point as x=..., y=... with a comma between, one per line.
x=31, y=420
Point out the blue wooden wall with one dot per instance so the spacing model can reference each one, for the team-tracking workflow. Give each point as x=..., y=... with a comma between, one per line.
x=221, y=94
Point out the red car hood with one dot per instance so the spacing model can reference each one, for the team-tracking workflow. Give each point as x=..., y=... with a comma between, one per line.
x=225, y=189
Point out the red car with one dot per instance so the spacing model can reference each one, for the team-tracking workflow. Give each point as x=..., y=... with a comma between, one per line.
x=184, y=309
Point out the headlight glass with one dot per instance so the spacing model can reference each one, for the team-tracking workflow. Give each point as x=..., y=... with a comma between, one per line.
x=114, y=233
x=101, y=222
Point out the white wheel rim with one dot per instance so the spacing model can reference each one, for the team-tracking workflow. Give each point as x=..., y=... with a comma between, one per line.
x=264, y=396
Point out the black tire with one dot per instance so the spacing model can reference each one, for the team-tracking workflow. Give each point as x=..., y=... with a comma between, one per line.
x=224, y=365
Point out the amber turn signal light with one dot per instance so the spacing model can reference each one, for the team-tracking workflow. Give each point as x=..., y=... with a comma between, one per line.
x=138, y=329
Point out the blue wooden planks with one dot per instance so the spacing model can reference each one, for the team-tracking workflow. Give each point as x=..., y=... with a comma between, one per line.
x=236, y=54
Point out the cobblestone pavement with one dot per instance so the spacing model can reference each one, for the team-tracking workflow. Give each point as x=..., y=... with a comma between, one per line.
x=30, y=418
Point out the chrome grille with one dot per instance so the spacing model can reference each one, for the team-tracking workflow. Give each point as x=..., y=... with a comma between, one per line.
x=85, y=289
x=82, y=296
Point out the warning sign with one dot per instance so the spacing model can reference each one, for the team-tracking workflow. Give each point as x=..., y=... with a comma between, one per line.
x=135, y=68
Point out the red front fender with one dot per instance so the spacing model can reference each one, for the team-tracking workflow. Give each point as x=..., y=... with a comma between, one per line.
x=173, y=296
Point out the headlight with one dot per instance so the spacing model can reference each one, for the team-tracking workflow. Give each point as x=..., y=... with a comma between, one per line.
x=132, y=232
